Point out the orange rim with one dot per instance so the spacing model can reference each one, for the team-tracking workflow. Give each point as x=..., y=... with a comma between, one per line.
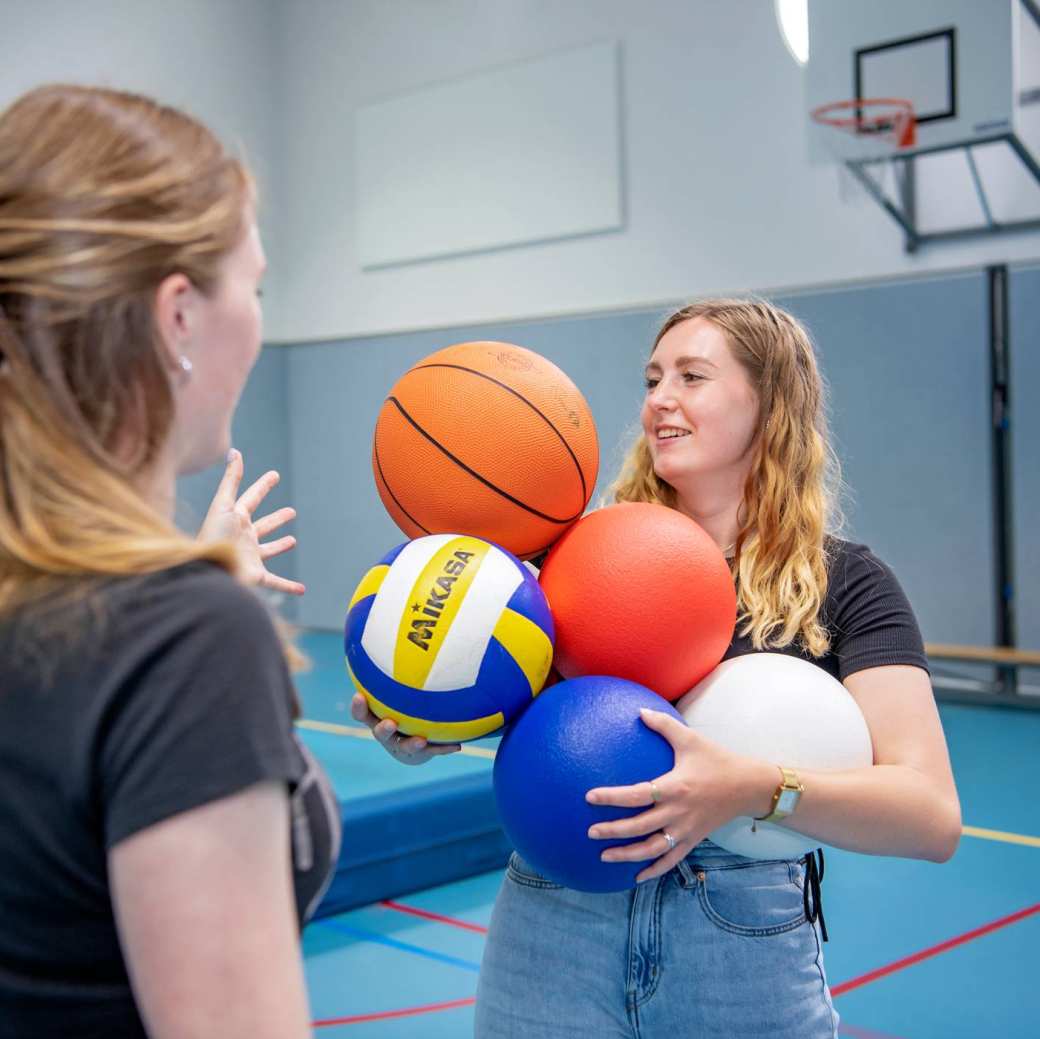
x=895, y=120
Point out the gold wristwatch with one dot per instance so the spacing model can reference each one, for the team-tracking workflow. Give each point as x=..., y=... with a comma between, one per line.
x=785, y=798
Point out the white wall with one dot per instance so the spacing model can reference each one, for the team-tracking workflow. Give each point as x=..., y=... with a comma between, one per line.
x=213, y=58
x=720, y=195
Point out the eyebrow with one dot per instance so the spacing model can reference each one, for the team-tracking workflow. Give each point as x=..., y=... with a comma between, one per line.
x=681, y=362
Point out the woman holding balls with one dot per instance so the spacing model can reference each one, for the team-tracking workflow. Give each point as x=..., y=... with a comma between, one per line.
x=709, y=942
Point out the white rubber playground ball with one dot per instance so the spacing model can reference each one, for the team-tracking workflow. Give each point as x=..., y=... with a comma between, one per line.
x=780, y=709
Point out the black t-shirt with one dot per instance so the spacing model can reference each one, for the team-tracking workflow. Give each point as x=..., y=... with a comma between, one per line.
x=174, y=693
x=866, y=613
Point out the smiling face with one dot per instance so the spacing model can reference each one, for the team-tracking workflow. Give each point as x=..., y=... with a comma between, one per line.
x=700, y=412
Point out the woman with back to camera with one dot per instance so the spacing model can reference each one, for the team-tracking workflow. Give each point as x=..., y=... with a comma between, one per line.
x=162, y=832
x=734, y=436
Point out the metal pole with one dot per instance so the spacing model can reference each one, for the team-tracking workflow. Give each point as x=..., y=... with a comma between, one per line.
x=1002, y=503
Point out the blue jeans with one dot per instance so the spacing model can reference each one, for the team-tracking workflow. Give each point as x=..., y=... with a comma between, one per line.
x=718, y=946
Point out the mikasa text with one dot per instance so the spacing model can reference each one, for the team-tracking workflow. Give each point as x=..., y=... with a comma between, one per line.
x=422, y=630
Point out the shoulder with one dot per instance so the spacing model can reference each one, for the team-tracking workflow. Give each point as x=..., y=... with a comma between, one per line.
x=189, y=600
x=852, y=566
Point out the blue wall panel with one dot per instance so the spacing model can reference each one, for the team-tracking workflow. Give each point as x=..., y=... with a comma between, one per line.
x=261, y=432
x=1025, y=447
x=908, y=368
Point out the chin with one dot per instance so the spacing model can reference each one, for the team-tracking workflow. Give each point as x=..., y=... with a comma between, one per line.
x=202, y=458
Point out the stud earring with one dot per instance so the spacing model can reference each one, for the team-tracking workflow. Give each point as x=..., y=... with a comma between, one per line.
x=186, y=367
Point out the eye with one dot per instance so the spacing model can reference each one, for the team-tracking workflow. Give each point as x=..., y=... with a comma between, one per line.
x=650, y=382
x=691, y=377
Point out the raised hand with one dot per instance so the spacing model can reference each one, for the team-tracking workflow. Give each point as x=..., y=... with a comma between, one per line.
x=230, y=518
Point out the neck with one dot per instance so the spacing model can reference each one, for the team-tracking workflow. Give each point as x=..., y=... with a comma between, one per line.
x=159, y=486
x=716, y=510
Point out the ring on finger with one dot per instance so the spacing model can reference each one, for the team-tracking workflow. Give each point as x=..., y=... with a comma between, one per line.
x=655, y=793
x=672, y=842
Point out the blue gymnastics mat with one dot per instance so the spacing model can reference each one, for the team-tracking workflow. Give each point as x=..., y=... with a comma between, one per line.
x=405, y=828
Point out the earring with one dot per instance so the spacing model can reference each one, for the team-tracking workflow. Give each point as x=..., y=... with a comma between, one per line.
x=186, y=367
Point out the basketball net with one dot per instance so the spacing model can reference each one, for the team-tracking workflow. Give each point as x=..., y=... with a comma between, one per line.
x=879, y=128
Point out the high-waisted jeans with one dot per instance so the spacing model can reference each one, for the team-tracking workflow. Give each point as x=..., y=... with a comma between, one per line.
x=719, y=946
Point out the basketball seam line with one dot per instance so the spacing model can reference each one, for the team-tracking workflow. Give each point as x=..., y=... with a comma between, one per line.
x=472, y=472
x=382, y=476
x=545, y=418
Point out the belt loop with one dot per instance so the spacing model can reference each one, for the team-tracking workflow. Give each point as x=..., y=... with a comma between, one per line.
x=686, y=876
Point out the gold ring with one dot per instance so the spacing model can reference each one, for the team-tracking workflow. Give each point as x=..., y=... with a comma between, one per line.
x=655, y=794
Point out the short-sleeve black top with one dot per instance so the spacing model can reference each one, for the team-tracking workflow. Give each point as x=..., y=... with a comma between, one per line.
x=866, y=612
x=173, y=693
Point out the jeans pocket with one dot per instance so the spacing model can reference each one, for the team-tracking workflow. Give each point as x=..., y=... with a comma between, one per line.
x=756, y=900
x=521, y=873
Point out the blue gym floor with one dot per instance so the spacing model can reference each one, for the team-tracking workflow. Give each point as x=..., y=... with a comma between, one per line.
x=917, y=950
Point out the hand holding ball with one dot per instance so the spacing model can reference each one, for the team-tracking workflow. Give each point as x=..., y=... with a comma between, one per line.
x=580, y=734
x=450, y=636
x=781, y=709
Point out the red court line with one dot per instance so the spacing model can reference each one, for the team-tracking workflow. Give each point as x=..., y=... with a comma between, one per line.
x=924, y=954
x=356, y=1019
x=852, y=1032
x=412, y=911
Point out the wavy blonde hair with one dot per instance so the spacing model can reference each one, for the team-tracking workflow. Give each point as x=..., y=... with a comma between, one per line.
x=103, y=194
x=790, y=500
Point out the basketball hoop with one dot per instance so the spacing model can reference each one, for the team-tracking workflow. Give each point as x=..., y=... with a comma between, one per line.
x=888, y=117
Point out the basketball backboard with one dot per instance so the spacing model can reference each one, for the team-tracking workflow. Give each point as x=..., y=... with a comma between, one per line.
x=971, y=71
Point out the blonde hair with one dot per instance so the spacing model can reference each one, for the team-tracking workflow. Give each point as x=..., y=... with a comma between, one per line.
x=103, y=194
x=790, y=499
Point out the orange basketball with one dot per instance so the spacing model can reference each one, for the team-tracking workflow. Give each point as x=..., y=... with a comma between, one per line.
x=486, y=439
x=639, y=591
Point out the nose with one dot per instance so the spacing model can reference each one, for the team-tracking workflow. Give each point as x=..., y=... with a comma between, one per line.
x=661, y=397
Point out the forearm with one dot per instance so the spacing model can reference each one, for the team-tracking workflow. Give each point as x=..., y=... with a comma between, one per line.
x=881, y=810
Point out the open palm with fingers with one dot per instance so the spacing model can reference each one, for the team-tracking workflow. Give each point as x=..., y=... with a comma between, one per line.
x=230, y=518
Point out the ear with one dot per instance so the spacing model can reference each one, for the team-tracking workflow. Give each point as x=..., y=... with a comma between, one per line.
x=172, y=309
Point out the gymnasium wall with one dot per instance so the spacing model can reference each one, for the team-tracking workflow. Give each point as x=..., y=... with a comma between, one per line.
x=718, y=192
x=908, y=366
x=208, y=57
x=717, y=196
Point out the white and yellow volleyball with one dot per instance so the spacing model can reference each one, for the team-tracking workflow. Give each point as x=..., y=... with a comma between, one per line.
x=450, y=636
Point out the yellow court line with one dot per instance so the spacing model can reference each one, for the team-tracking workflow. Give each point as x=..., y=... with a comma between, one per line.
x=1000, y=835
x=484, y=752
x=366, y=734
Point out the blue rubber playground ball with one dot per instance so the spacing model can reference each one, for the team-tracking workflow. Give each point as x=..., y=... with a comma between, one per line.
x=579, y=734
x=450, y=636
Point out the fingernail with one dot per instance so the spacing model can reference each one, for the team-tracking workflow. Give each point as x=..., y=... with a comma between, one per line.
x=592, y=798
x=606, y=857
x=593, y=832
x=231, y=455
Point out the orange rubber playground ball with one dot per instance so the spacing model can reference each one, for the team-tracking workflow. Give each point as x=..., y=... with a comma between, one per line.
x=641, y=592
x=486, y=439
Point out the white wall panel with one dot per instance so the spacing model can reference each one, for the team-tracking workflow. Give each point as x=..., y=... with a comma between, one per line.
x=521, y=153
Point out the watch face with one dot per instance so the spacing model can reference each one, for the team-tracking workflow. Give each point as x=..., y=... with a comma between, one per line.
x=787, y=801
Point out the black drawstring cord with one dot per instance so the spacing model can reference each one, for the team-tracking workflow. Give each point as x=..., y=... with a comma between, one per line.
x=813, y=879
